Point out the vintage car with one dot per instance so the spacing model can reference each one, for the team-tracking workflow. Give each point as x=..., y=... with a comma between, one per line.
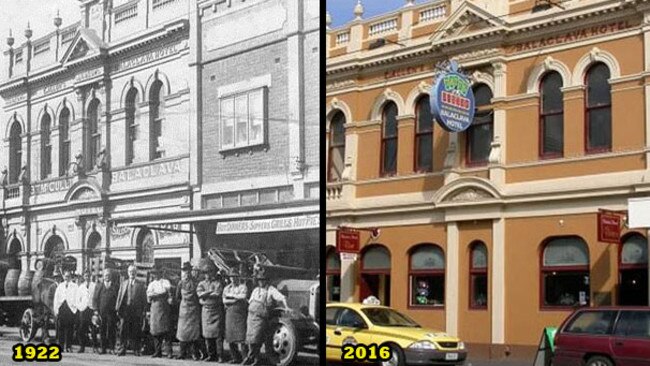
x=410, y=344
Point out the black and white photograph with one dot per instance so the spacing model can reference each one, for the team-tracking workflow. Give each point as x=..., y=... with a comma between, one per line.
x=160, y=182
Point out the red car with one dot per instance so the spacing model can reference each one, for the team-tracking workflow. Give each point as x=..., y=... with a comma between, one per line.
x=609, y=336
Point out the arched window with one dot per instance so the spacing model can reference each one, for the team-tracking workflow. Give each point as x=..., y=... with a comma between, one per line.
x=551, y=116
x=389, y=140
x=144, y=247
x=15, y=152
x=155, y=119
x=12, y=254
x=92, y=135
x=479, y=133
x=598, y=114
x=478, y=276
x=333, y=276
x=427, y=276
x=565, y=273
x=423, y=136
x=375, y=273
x=131, y=125
x=64, y=141
x=337, y=147
x=46, y=146
x=633, y=271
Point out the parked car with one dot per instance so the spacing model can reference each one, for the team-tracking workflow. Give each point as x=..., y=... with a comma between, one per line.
x=410, y=343
x=608, y=336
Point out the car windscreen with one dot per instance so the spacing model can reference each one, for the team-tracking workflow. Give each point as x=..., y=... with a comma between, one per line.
x=385, y=317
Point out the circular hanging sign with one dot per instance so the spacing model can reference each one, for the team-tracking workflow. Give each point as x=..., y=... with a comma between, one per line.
x=452, y=100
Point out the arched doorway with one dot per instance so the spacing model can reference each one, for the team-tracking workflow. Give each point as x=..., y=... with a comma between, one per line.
x=633, y=271
x=333, y=274
x=12, y=254
x=92, y=246
x=144, y=247
x=375, y=273
x=53, y=247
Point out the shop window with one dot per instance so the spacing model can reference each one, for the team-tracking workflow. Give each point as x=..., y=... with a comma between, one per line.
x=337, y=147
x=565, y=273
x=46, y=146
x=551, y=116
x=333, y=273
x=131, y=124
x=92, y=135
x=633, y=271
x=478, y=274
x=389, y=140
x=480, y=132
x=598, y=114
x=64, y=141
x=424, y=136
x=375, y=273
x=243, y=119
x=427, y=276
x=155, y=120
x=15, y=152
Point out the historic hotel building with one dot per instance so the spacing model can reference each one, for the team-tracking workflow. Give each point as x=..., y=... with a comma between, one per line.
x=96, y=129
x=490, y=234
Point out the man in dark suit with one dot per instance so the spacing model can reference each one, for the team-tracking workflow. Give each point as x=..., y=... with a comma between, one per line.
x=106, y=298
x=130, y=307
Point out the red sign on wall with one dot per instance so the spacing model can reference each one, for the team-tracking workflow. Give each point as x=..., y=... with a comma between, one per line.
x=347, y=241
x=609, y=227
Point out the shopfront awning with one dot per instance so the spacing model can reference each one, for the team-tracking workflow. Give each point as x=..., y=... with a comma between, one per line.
x=296, y=208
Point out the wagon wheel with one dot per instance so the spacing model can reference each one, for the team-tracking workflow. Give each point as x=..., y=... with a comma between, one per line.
x=28, y=326
x=285, y=343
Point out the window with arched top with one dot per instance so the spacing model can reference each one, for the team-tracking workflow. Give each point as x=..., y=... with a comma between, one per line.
x=426, y=276
x=130, y=110
x=423, y=136
x=633, y=271
x=336, y=152
x=15, y=151
x=389, y=140
x=375, y=273
x=144, y=248
x=155, y=119
x=333, y=273
x=551, y=116
x=46, y=146
x=598, y=113
x=478, y=276
x=480, y=132
x=565, y=273
x=92, y=135
x=64, y=141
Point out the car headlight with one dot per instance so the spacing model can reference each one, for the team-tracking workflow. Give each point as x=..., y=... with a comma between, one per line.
x=423, y=345
x=461, y=345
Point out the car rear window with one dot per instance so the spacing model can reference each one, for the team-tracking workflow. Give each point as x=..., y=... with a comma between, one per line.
x=633, y=324
x=591, y=322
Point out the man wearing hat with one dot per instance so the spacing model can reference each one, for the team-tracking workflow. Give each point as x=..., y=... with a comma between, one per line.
x=234, y=298
x=130, y=307
x=210, y=291
x=189, y=314
x=159, y=296
x=263, y=300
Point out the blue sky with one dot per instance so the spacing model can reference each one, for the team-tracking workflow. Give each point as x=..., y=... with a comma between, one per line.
x=342, y=11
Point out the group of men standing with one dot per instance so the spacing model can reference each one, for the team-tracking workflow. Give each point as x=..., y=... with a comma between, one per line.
x=212, y=311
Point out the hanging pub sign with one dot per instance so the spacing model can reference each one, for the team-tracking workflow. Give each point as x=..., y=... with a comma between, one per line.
x=609, y=227
x=452, y=100
x=347, y=241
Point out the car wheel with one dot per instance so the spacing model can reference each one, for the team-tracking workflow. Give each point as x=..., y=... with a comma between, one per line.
x=397, y=357
x=599, y=361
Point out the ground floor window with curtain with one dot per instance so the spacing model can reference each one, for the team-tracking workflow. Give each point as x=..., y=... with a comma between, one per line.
x=427, y=276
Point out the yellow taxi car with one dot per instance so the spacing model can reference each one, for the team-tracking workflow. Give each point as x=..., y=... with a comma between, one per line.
x=410, y=344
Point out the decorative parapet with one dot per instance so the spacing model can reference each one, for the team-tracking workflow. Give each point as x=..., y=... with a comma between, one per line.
x=160, y=3
x=127, y=12
x=343, y=38
x=334, y=191
x=384, y=26
x=432, y=14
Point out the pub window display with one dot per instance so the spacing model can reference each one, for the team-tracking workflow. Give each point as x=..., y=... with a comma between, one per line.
x=479, y=276
x=243, y=119
x=427, y=276
x=565, y=273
